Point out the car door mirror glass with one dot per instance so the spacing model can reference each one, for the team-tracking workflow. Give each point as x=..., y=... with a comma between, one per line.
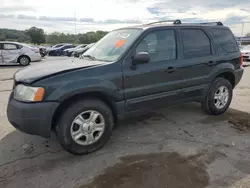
x=141, y=58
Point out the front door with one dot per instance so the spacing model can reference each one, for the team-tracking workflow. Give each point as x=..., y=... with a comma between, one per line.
x=10, y=53
x=153, y=83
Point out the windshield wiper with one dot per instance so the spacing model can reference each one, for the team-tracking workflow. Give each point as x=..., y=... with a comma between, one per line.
x=90, y=56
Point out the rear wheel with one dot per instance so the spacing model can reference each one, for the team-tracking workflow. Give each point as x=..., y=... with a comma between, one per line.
x=219, y=97
x=85, y=126
x=24, y=60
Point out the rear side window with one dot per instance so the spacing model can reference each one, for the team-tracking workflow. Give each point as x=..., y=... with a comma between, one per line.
x=9, y=47
x=195, y=43
x=226, y=39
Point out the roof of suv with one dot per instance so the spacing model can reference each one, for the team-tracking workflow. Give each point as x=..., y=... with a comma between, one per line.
x=173, y=23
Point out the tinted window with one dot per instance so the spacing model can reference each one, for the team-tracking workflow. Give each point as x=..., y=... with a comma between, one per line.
x=195, y=43
x=9, y=46
x=226, y=39
x=160, y=45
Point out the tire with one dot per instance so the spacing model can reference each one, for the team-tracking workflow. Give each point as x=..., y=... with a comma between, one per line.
x=65, y=126
x=24, y=60
x=210, y=104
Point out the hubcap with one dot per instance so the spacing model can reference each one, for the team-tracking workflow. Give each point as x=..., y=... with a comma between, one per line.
x=24, y=61
x=87, y=128
x=221, y=97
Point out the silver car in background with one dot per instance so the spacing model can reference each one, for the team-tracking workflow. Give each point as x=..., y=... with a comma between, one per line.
x=245, y=51
x=18, y=53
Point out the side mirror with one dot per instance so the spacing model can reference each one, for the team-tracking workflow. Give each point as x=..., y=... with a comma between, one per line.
x=141, y=58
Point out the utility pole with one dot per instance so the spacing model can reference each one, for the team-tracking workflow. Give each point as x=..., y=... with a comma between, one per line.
x=242, y=32
x=75, y=26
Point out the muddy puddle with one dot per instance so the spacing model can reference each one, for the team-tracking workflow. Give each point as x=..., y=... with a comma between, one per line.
x=238, y=119
x=163, y=170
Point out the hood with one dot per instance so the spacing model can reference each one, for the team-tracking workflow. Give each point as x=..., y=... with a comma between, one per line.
x=245, y=51
x=39, y=71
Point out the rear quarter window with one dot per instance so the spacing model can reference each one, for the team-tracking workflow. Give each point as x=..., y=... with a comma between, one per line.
x=225, y=38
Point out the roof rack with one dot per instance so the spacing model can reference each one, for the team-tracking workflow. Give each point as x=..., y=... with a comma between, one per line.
x=217, y=23
x=179, y=22
x=166, y=21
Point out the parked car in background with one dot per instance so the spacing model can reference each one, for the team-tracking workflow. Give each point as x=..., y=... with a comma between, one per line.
x=55, y=46
x=43, y=51
x=246, y=55
x=59, y=50
x=18, y=53
x=82, y=99
x=79, y=52
x=69, y=51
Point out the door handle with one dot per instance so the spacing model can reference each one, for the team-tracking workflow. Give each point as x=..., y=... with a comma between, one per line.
x=170, y=69
x=211, y=63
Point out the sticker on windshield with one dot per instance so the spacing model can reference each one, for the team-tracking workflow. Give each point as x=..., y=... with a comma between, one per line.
x=123, y=35
x=120, y=43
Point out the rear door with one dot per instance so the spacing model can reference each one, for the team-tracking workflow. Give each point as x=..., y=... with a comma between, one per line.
x=199, y=58
x=10, y=52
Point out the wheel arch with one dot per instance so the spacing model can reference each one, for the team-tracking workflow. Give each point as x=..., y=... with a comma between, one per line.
x=229, y=75
x=92, y=95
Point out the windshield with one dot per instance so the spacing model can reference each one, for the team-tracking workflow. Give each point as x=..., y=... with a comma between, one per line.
x=246, y=47
x=113, y=45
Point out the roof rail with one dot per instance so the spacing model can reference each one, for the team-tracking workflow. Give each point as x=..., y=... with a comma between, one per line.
x=217, y=23
x=179, y=22
x=174, y=22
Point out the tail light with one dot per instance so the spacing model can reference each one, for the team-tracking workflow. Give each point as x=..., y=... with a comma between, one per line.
x=241, y=60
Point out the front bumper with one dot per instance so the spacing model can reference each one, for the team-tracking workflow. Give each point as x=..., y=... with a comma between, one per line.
x=31, y=118
x=246, y=57
x=238, y=75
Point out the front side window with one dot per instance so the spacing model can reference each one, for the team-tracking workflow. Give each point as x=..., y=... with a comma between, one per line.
x=9, y=47
x=161, y=45
x=113, y=45
x=195, y=43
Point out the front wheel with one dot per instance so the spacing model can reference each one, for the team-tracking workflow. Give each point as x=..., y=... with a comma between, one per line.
x=219, y=97
x=85, y=126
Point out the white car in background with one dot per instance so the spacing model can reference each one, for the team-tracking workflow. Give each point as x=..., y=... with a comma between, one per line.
x=245, y=51
x=18, y=53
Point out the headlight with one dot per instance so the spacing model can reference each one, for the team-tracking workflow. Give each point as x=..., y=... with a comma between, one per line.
x=28, y=94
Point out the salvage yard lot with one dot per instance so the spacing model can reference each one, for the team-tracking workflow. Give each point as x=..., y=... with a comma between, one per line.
x=173, y=147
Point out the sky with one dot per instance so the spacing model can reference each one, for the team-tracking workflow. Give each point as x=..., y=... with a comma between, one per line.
x=92, y=15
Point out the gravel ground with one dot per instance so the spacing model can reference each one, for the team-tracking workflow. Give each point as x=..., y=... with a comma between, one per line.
x=174, y=147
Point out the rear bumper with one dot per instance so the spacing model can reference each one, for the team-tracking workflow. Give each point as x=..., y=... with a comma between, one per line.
x=35, y=57
x=32, y=118
x=238, y=75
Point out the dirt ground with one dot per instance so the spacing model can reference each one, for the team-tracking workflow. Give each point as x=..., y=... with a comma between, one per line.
x=178, y=147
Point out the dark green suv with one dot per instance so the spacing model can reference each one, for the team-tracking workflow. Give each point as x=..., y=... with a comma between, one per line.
x=128, y=71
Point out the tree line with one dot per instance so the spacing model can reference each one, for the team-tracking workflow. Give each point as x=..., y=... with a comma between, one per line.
x=37, y=36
